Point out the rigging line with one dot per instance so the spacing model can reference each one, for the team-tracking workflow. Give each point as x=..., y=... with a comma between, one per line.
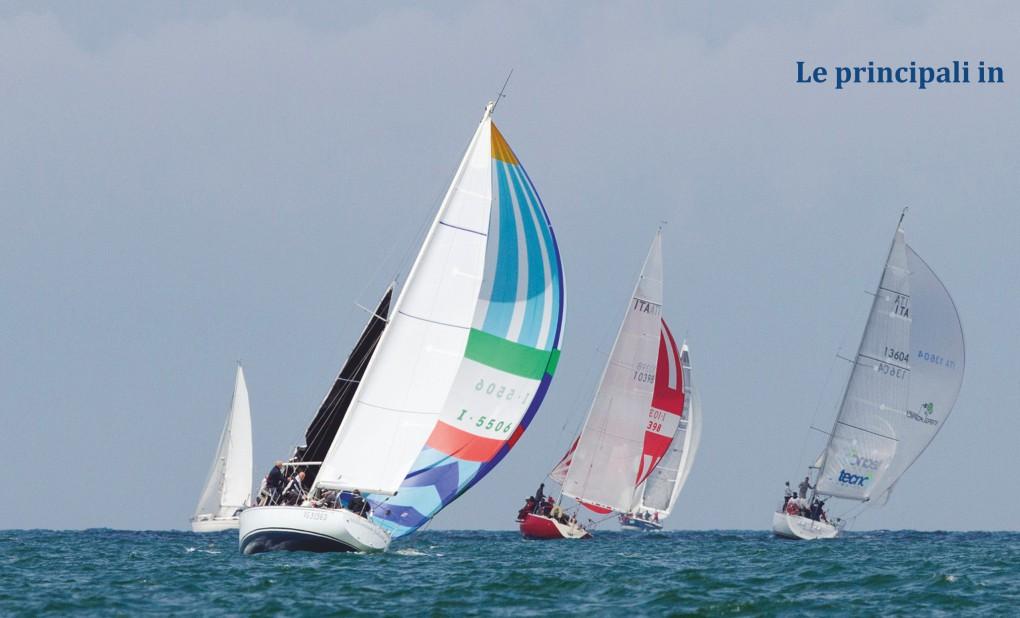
x=818, y=405
x=501, y=91
x=874, y=433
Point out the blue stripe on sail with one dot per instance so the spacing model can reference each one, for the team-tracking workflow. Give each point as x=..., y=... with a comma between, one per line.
x=533, y=310
x=504, y=284
x=553, y=255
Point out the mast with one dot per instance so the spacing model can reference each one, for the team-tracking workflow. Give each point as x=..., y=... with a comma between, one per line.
x=335, y=457
x=860, y=344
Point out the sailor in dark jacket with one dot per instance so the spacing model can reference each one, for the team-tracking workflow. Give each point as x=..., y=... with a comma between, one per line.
x=275, y=481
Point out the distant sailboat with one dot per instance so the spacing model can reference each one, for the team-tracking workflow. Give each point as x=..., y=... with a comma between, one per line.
x=905, y=380
x=228, y=488
x=661, y=490
x=633, y=418
x=457, y=374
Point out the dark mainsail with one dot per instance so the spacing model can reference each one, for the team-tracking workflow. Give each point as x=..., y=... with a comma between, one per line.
x=324, y=426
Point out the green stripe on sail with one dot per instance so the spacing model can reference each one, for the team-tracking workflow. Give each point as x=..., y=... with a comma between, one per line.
x=509, y=356
x=554, y=359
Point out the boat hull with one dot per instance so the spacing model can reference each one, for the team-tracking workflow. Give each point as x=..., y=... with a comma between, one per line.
x=214, y=524
x=301, y=528
x=541, y=527
x=801, y=528
x=631, y=524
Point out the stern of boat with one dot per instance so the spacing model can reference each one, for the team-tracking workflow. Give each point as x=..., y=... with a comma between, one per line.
x=801, y=528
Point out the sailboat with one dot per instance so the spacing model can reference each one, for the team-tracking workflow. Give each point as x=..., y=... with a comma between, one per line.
x=660, y=492
x=632, y=420
x=228, y=487
x=904, y=382
x=461, y=365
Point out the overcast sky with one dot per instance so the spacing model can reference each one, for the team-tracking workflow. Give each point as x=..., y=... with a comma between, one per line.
x=185, y=186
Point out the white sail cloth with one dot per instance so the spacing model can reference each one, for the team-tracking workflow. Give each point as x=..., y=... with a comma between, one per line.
x=605, y=464
x=228, y=486
x=907, y=375
x=412, y=371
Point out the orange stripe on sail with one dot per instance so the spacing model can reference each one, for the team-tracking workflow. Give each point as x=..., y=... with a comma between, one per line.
x=449, y=440
x=500, y=149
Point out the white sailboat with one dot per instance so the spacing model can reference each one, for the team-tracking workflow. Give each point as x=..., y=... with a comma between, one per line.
x=659, y=494
x=457, y=374
x=905, y=380
x=635, y=414
x=228, y=487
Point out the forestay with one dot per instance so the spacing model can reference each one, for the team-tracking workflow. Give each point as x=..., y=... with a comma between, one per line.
x=905, y=380
x=638, y=404
x=469, y=351
x=228, y=487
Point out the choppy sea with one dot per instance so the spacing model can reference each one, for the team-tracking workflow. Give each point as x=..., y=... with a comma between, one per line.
x=448, y=573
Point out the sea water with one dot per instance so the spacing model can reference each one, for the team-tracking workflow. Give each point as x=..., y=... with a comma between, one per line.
x=498, y=573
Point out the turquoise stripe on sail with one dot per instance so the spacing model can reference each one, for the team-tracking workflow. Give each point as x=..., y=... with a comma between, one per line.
x=536, y=281
x=552, y=256
x=504, y=285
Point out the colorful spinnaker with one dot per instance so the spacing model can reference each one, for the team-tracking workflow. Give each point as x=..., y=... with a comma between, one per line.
x=469, y=351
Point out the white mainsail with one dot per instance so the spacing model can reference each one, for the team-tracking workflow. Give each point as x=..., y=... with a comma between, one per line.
x=661, y=490
x=906, y=377
x=228, y=487
x=627, y=430
x=460, y=323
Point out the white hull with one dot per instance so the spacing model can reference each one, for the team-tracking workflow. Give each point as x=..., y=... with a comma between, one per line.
x=301, y=528
x=801, y=528
x=214, y=524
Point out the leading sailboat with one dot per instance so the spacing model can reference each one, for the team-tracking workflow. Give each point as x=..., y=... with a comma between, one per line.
x=632, y=421
x=228, y=487
x=905, y=380
x=459, y=370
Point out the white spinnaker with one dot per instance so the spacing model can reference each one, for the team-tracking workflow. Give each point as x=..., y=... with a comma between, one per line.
x=229, y=484
x=412, y=371
x=662, y=488
x=604, y=466
x=937, y=358
x=873, y=414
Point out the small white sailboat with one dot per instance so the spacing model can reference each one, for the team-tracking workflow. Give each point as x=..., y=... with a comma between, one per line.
x=905, y=380
x=228, y=487
x=634, y=417
x=659, y=494
x=457, y=373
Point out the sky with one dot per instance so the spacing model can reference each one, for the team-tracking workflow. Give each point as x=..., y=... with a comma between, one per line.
x=187, y=185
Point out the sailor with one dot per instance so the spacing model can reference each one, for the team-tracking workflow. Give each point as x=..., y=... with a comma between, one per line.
x=792, y=508
x=805, y=485
x=787, y=494
x=539, y=495
x=295, y=491
x=275, y=481
x=357, y=504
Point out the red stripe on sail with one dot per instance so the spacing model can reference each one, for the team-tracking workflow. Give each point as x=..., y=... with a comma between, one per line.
x=663, y=397
x=598, y=509
x=666, y=399
x=449, y=440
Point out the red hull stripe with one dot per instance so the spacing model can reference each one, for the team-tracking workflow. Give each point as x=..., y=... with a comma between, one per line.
x=449, y=440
